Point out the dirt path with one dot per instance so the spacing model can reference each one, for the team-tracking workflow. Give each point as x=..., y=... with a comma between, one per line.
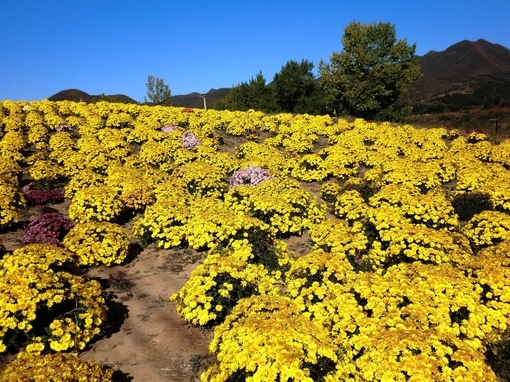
x=150, y=342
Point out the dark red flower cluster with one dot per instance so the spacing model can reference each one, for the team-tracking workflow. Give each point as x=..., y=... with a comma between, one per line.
x=35, y=196
x=50, y=228
x=187, y=110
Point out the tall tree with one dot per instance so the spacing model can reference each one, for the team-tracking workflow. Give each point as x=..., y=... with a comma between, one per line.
x=254, y=94
x=157, y=91
x=293, y=84
x=366, y=78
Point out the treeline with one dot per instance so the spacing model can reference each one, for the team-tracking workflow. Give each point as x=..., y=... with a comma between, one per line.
x=294, y=90
x=364, y=80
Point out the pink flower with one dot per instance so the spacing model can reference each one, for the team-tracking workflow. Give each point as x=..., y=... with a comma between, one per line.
x=190, y=140
x=50, y=228
x=169, y=128
x=250, y=176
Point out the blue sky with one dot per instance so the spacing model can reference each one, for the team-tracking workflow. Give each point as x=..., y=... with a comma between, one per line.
x=111, y=46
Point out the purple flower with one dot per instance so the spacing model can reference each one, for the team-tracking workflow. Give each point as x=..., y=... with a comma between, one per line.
x=35, y=196
x=169, y=128
x=64, y=128
x=250, y=176
x=50, y=228
x=190, y=140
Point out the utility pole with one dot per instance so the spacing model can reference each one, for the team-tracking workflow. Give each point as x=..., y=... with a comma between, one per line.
x=203, y=96
x=497, y=123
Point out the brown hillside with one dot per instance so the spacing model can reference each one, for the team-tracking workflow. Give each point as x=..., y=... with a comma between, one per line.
x=459, y=68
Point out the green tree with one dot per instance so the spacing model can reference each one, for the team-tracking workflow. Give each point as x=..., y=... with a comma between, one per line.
x=254, y=94
x=157, y=91
x=293, y=84
x=367, y=77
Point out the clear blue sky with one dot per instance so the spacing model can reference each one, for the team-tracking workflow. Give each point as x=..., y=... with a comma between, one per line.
x=111, y=46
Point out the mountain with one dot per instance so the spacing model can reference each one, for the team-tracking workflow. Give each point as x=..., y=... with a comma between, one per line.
x=462, y=68
x=197, y=100
x=79, y=95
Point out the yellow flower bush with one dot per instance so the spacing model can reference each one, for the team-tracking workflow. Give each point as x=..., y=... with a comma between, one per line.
x=61, y=367
x=487, y=228
x=38, y=136
x=13, y=122
x=473, y=174
x=53, y=120
x=256, y=343
x=266, y=156
x=395, y=240
x=432, y=209
x=141, y=132
x=500, y=153
x=94, y=243
x=330, y=190
x=340, y=161
x=225, y=161
x=11, y=144
x=42, y=305
x=75, y=122
x=310, y=277
x=335, y=235
x=114, y=141
x=299, y=142
x=225, y=276
x=82, y=180
x=10, y=169
x=11, y=200
x=33, y=118
x=202, y=179
x=423, y=321
x=311, y=167
x=134, y=189
x=350, y=206
x=211, y=223
x=490, y=270
x=45, y=171
x=60, y=142
x=158, y=153
x=420, y=355
x=498, y=189
x=242, y=124
x=96, y=155
x=283, y=205
x=453, y=306
x=99, y=203
x=164, y=222
x=117, y=120
x=425, y=175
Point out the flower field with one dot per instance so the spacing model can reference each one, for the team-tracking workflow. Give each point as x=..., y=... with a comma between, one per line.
x=406, y=275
